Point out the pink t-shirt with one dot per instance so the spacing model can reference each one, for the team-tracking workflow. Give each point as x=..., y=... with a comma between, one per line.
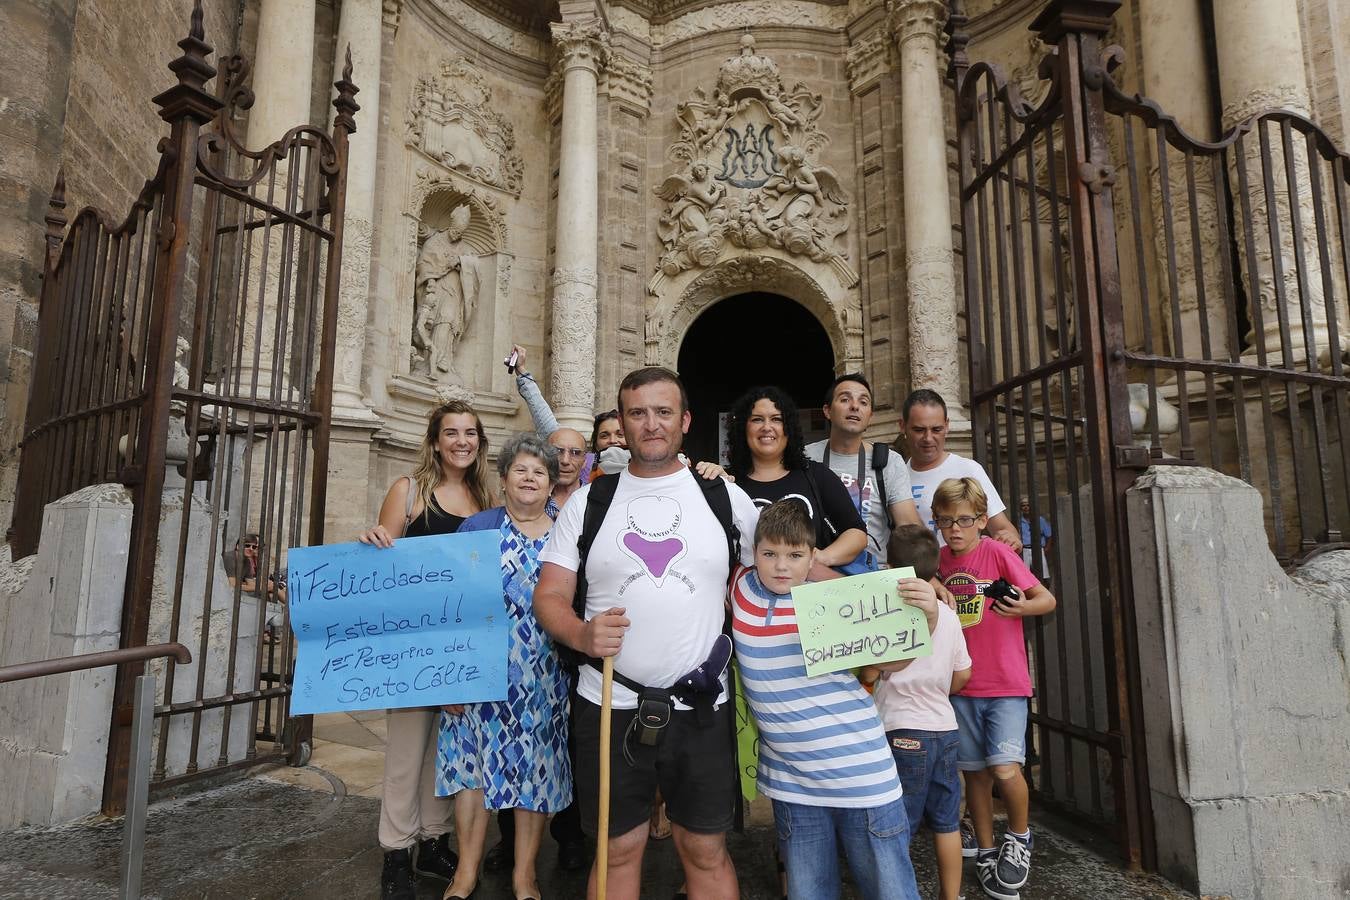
x=998, y=650
x=916, y=696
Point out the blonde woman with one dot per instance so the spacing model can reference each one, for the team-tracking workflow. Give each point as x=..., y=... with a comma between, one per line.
x=448, y=485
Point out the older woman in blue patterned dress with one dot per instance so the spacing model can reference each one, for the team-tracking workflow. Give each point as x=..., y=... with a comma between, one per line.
x=512, y=754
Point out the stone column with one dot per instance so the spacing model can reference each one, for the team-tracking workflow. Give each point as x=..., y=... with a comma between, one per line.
x=283, y=69
x=1260, y=50
x=1176, y=77
x=582, y=50
x=360, y=30
x=929, y=262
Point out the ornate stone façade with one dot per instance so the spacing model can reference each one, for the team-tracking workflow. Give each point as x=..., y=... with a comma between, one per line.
x=588, y=177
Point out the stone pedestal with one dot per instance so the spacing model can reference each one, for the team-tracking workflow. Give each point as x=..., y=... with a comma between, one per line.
x=929, y=261
x=64, y=600
x=1245, y=689
x=582, y=50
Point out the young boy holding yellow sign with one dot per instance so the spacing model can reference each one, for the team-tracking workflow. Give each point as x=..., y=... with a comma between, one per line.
x=994, y=591
x=823, y=757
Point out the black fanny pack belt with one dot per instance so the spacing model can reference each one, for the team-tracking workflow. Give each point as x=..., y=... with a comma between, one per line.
x=656, y=705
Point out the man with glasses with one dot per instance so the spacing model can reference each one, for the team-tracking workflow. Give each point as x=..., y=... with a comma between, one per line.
x=571, y=447
x=924, y=424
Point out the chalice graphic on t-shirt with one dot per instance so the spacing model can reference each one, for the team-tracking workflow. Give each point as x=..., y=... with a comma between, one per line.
x=650, y=538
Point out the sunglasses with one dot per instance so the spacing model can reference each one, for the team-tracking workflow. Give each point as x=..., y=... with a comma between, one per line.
x=251, y=546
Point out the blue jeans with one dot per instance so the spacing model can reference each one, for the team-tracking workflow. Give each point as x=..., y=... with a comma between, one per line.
x=876, y=842
x=926, y=761
x=993, y=731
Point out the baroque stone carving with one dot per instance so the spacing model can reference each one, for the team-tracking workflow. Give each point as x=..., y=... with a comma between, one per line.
x=580, y=44
x=1027, y=74
x=452, y=120
x=867, y=59
x=748, y=178
x=448, y=281
x=629, y=81
x=910, y=19
x=751, y=14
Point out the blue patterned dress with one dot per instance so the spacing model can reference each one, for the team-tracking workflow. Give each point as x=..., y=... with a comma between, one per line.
x=515, y=750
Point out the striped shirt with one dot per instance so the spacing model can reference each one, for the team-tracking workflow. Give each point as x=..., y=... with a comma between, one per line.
x=820, y=740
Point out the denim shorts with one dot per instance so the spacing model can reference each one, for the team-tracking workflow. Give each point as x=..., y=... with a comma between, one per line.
x=926, y=761
x=993, y=731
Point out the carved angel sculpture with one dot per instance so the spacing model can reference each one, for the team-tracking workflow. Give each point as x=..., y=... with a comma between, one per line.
x=448, y=278
x=799, y=188
x=692, y=199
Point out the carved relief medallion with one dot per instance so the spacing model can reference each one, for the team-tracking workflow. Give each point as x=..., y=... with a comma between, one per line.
x=452, y=120
x=748, y=176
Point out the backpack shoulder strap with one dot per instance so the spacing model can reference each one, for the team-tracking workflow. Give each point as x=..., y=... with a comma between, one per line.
x=880, y=456
x=599, y=495
x=719, y=499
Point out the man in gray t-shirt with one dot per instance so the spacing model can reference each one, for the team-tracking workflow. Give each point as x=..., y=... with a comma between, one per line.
x=848, y=407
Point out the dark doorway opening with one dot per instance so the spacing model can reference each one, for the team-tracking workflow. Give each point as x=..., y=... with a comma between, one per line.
x=748, y=340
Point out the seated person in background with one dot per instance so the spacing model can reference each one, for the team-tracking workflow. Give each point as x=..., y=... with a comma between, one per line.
x=916, y=711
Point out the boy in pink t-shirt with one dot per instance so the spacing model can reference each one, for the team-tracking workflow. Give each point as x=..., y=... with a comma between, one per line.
x=991, y=709
x=916, y=711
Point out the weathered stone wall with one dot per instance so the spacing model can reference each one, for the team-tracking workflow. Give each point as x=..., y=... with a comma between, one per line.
x=1246, y=687
x=76, y=78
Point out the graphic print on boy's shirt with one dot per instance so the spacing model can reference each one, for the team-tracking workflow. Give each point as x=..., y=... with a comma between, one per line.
x=969, y=593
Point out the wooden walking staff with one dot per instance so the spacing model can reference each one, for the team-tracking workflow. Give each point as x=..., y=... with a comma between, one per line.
x=602, y=826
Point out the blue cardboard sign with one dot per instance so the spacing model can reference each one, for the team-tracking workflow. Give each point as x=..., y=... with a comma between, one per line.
x=420, y=624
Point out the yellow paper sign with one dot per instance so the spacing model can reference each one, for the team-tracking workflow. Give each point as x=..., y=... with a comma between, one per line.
x=858, y=621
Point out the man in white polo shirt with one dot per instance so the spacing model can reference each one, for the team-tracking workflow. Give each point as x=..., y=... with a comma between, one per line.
x=924, y=421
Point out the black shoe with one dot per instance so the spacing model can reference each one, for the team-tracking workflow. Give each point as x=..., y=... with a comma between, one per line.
x=435, y=859
x=396, y=880
x=501, y=858
x=573, y=856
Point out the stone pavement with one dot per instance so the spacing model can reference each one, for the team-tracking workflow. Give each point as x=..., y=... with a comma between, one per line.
x=310, y=833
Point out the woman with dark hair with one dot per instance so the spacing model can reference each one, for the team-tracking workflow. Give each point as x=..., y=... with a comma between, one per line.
x=448, y=486
x=512, y=755
x=607, y=431
x=768, y=458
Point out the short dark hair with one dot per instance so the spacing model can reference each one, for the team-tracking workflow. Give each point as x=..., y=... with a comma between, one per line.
x=923, y=397
x=914, y=545
x=787, y=522
x=849, y=376
x=794, y=455
x=652, y=375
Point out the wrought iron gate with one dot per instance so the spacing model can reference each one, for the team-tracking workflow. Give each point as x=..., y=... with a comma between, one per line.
x=1135, y=296
x=187, y=353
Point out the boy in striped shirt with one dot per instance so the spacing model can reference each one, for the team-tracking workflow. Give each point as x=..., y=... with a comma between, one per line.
x=823, y=756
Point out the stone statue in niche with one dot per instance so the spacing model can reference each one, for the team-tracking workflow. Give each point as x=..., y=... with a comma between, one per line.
x=749, y=178
x=449, y=278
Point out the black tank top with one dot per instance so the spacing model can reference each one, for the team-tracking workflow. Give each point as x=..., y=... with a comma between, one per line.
x=433, y=520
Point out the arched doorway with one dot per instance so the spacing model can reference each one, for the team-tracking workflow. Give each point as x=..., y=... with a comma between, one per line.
x=746, y=340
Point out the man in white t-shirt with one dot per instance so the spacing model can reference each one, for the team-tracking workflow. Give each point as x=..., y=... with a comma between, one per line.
x=924, y=422
x=848, y=407
x=656, y=583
